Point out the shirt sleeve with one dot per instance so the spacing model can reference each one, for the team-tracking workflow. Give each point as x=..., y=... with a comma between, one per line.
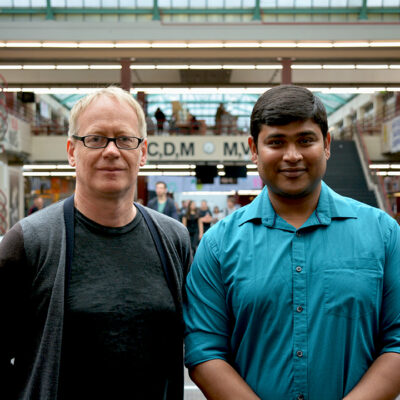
x=205, y=312
x=390, y=312
x=13, y=296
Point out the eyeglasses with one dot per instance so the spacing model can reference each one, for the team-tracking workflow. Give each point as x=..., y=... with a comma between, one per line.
x=101, y=142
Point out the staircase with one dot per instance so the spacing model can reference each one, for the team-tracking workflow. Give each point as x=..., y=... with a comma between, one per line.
x=344, y=173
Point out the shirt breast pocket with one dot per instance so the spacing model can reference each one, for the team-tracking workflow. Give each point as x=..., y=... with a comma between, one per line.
x=351, y=287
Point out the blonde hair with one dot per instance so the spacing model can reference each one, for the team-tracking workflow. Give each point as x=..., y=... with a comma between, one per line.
x=115, y=92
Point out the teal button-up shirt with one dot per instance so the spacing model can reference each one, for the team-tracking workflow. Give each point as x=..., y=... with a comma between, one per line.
x=300, y=314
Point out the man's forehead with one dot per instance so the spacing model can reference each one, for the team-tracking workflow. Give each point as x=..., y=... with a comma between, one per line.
x=294, y=128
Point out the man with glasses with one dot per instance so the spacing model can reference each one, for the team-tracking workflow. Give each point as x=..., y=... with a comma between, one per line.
x=90, y=288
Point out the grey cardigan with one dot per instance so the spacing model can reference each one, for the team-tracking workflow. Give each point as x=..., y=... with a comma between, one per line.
x=32, y=292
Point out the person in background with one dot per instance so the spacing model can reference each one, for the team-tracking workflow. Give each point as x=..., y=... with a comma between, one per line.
x=194, y=224
x=205, y=215
x=218, y=118
x=231, y=205
x=38, y=204
x=217, y=215
x=162, y=203
x=91, y=287
x=296, y=295
x=160, y=118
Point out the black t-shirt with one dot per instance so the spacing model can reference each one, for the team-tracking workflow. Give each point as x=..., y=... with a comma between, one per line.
x=121, y=327
x=206, y=225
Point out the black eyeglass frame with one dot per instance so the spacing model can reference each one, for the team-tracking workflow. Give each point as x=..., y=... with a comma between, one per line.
x=82, y=139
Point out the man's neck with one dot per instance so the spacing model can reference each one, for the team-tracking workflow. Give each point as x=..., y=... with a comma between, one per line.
x=162, y=198
x=107, y=211
x=295, y=211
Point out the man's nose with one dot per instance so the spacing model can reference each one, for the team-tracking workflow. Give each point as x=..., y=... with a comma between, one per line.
x=292, y=154
x=111, y=149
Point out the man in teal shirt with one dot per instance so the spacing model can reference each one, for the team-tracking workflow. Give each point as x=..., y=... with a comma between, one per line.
x=297, y=295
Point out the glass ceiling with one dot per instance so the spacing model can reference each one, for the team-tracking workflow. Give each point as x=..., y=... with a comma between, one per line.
x=204, y=106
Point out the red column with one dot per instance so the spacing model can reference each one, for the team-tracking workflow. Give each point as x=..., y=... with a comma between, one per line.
x=126, y=79
x=286, y=71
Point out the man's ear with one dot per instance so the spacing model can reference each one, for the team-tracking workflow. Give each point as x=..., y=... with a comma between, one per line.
x=327, y=145
x=71, y=152
x=253, y=149
x=143, y=153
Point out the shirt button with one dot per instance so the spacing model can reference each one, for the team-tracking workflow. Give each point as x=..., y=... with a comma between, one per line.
x=299, y=309
x=298, y=233
x=299, y=353
x=298, y=269
x=300, y=397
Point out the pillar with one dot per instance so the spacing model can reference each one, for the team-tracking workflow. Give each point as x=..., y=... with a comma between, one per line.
x=126, y=79
x=286, y=71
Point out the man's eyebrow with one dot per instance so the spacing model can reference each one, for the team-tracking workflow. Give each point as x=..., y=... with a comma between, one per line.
x=307, y=133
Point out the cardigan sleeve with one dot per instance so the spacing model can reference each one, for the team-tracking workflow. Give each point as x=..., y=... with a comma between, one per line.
x=14, y=289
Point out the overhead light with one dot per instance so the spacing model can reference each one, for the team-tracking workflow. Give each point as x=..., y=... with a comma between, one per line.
x=394, y=173
x=278, y=44
x=39, y=166
x=64, y=166
x=206, y=45
x=384, y=44
x=271, y=66
x=60, y=44
x=59, y=173
x=36, y=173
x=351, y=44
x=395, y=166
x=205, y=66
x=132, y=45
x=251, y=166
x=136, y=66
x=39, y=67
x=239, y=66
x=306, y=66
x=72, y=66
x=381, y=173
x=169, y=45
x=394, y=66
x=173, y=166
x=314, y=44
x=109, y=66
x=23, y=44
x=220, y=166
x=172, y=66
x=252, y=173
x=370, y=66
x=242, y=44
x=379, y=166
x=338, y=66
x=96, y=45
x=10, y=67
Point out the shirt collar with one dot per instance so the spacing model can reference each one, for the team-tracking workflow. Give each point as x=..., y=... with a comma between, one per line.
x=330, y=206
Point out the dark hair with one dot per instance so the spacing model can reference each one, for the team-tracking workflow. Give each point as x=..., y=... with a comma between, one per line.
x=161, y=183
x=284, y=104
x=187, y=214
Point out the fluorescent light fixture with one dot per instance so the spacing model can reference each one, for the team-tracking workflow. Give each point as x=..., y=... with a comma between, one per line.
x=395, y=166
x=137, y=66
x=205, y=45
x=149, y=173
x=252, y=173
x=314, y=44
x=350, y=44
x=370, y=89
x=36, y=173
x=39, y=67
x=393, y=89
x=221, y=173
x=205, y=66
x=10, y=67
x=64, y=166
x=379, y=166
x=173, y=166
x=169, y=45
x=109, y=66
x=172, y=66
x=385, y=44
x=251, y=166
x=370, y=66
x=39, y=166
x=59, y=173
x=60, y=44
x=394, y=66
x=394, y=173
x=270, y=66
x=239, y=66
x=23, y=44
x=12, y=90
x=242, y=44
x=220, y=166
x=249, y=192
x=338, y=66
x=132, y=45
x=96, y=45
x=2, y=44
x=72, y=67
x=306, y=66
x=278, y=44
x=381, y=173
